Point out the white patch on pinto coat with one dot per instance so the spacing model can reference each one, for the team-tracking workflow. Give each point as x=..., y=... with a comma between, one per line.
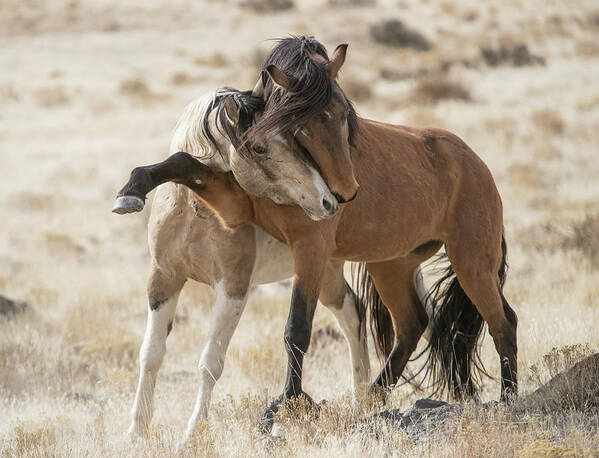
x=349, y=322
x=151, y=355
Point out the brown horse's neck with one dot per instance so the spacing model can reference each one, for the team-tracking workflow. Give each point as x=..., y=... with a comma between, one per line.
x=227, y=199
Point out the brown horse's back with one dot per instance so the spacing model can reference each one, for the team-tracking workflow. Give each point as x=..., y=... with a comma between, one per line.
x=416, y=184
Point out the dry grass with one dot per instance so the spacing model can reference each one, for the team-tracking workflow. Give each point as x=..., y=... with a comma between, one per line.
x=517, y=55
x=83, y=104
x=266, y=6
x=548, y=120
x=524, y=174
x=585, y=238
x=436, y=89
x=393, y=32
x=216, y=59
x=52, y=97
x=137, y=90
x=357, y=89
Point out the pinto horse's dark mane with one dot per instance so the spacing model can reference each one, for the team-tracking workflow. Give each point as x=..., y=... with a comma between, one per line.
x=311, y=89
x=248, y=107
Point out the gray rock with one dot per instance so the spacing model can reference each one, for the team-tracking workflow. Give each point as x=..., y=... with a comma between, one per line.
x=426, y=416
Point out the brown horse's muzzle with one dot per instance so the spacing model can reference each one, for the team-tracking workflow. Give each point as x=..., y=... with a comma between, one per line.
x=341, y=200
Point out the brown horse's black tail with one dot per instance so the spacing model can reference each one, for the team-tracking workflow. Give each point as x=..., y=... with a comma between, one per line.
x=453, y=361
x=381, y=326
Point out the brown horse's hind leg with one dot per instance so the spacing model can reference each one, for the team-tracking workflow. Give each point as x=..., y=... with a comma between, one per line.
x=394, y=282
x=477, y=272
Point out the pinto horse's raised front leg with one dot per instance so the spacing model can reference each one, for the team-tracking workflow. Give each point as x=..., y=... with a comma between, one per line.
x=180, y=168
x=309, y=263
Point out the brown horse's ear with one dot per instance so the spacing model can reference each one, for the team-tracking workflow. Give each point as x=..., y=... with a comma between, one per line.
x=337, y=60
x=279, y=78
x=232, y=110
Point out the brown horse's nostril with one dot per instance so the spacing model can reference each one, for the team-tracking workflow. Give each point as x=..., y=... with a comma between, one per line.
x=341, y=200
x=355, y=195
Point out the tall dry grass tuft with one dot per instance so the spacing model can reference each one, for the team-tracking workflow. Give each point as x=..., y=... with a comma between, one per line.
x=25, y=440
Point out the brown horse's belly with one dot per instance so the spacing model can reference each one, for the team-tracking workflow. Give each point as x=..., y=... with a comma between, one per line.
x=373, y=240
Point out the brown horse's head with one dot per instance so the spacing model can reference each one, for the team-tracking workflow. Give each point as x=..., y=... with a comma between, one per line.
x=301, y=96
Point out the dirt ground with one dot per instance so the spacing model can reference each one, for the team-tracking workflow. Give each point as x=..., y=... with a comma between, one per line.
x=89, y=89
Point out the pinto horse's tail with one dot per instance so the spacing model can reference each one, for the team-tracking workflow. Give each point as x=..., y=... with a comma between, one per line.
x=453, y=361
x=381, y=326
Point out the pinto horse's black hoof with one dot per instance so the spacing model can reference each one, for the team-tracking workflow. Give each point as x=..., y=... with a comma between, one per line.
x=298, y=403
x=128, y=204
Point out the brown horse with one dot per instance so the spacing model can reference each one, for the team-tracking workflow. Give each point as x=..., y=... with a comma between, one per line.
x=419, y=189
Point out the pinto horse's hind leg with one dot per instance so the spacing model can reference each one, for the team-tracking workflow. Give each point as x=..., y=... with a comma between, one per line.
x=337, y=295
x=479, y=279
x=163, y=293
x=394, y=282
x=225, y=317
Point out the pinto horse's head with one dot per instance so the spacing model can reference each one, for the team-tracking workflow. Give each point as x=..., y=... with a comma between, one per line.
x=302, y=97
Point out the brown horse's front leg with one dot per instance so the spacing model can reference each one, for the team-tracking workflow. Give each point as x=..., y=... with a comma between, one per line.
x=180, y=168
x=310, y=259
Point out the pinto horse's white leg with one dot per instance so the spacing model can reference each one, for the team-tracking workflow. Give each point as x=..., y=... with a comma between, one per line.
x=425, y=299
x=225, y=317
x=160, y=321
x=354, y=328
x=339, y=298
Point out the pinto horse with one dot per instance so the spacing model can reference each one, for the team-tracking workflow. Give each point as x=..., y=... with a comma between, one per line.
x=420, y=189
x=187, y=241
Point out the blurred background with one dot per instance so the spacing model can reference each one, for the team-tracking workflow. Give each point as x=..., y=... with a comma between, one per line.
x=89, y=89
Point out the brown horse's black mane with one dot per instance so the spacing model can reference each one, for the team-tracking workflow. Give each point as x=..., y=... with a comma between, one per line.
x=311, y=89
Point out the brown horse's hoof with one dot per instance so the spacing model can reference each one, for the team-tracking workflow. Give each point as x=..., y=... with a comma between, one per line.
x=128, y=204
